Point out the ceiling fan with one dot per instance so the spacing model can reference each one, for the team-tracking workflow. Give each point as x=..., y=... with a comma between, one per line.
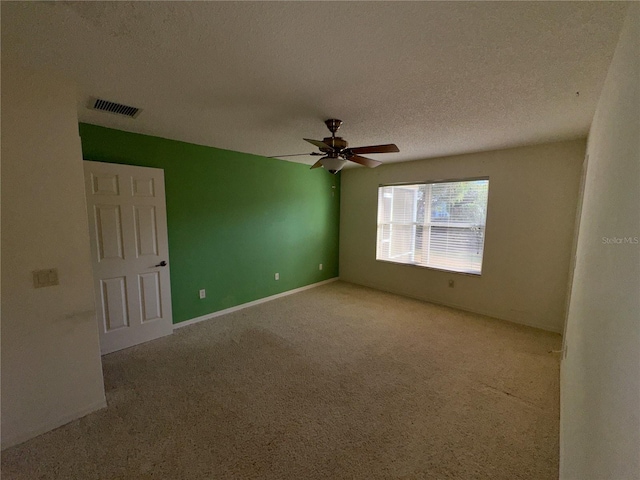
x=336, y=151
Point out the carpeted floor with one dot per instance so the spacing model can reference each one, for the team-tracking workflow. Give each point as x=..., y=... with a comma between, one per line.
x=337, y=382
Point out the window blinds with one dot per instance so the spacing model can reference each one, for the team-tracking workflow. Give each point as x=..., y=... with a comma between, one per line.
x=439, y=225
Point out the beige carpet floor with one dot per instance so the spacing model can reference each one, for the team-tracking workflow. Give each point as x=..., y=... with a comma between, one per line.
x=337, y=382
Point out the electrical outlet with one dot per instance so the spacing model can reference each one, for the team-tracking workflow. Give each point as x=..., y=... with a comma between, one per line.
x=452, y=284
x=277, y=276
x=203, y=293
x=320, y=267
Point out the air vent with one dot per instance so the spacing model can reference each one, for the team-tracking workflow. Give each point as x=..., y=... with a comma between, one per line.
x=117, y=108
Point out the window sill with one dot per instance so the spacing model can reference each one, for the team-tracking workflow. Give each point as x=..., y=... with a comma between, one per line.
x=471, y=274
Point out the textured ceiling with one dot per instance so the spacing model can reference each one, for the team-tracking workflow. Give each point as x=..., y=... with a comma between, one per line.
x=436, y=78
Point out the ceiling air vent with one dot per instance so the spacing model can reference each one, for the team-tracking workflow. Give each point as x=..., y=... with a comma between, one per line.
x=117, y=108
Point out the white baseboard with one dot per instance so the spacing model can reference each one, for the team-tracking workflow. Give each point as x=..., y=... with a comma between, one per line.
x=18, y=438
x=219, y=313
x=459, y=307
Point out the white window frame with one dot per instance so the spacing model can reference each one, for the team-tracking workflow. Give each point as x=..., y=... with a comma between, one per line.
x=427, y=225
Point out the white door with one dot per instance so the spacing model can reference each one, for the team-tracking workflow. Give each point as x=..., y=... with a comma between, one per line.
x=130, y=253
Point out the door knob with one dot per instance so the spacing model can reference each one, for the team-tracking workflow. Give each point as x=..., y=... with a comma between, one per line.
x=161, y=264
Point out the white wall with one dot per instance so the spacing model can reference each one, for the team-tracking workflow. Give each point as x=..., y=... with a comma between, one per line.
x=51, y=368
x=531, y=214
x=600, y=379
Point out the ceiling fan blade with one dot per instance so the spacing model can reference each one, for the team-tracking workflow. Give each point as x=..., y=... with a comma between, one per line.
x=388, y=148
x=314, y=154
x=367, y=162
x=318, y=164
x=318, y=143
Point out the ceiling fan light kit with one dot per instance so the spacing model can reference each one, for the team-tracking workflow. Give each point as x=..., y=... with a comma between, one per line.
x=337, y=151
x=333, y=164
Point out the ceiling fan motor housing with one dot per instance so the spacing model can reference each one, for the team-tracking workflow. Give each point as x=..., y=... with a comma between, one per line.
x=336, y=143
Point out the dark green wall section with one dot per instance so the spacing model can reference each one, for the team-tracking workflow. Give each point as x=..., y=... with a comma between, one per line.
x=234, y=219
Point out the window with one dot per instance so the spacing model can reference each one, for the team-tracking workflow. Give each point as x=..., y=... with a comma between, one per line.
x=438, y=225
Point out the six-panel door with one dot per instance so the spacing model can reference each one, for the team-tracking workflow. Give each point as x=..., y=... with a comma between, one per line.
x=128, y=230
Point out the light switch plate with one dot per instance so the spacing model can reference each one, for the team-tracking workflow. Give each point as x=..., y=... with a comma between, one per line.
x=45, y=278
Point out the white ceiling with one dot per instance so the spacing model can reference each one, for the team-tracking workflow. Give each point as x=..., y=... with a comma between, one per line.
x=436, y=78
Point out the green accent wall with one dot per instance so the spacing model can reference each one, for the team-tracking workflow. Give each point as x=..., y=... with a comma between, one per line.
x=234, y=219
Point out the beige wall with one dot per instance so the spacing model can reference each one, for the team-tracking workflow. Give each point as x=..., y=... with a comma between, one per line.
x=51, y=369
x=530, y=221
x=600, y=376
